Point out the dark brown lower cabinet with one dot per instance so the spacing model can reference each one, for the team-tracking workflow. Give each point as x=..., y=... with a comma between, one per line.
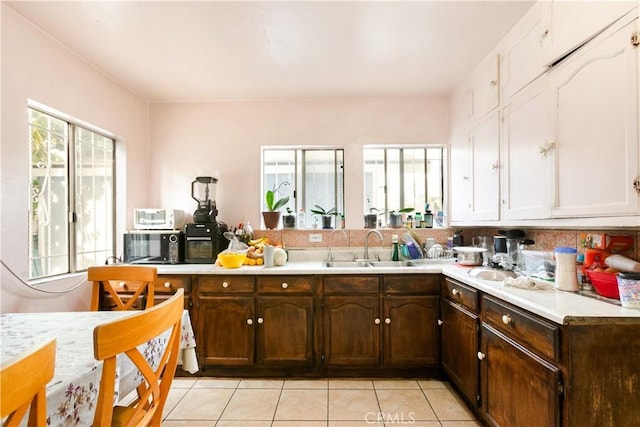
x=351, y=327
x=460, y=344
x=518, y=388
x=410, y=331
x=285, y=331
x=226, y=331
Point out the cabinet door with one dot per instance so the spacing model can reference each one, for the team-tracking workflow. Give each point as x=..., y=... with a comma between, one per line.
x=485, y=165
x=518, y=388
x=522, y=55
x=527, y=137
x=411, y=335
x=460, y=345
x=485, y=89
x=351, y=326
x=460, y=178
x=596, y=143
x=285, y=330
x=572, y=23
x=226, y=333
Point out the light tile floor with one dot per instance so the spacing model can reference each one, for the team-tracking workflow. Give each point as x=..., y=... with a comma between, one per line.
x=199, y=402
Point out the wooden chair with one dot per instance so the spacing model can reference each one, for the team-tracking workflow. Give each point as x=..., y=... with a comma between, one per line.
x=120, y=279
x=23, y=386
x=123, y=336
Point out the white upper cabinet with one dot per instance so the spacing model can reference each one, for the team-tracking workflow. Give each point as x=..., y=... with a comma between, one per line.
x=572, y=23
x=596, y=160
x=459, y=178
x=522, y=56
x=485, y=89
x=484, y=142
x=527, y=141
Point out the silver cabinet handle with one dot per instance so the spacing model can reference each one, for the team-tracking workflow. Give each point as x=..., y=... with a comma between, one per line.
x=440, y=322
x=377, y=321
x=387, y=321
x=249, y=321
x=260, y=320
x=481, y=355
x=506, y=319
x=285, y=285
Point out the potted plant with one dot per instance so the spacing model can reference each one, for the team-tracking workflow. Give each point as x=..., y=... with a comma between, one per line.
x=395, y=218
x=289, y=220
x=271, y=216
x=326, y=215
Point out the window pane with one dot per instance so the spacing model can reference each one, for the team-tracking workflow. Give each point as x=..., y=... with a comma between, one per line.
x=397, y=178
x=310, y=176
x=93, y=198
x=48, y=225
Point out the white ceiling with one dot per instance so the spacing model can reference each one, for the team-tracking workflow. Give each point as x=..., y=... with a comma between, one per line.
x=209, y=50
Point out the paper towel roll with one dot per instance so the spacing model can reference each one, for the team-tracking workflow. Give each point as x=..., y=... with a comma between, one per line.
x=622, y=263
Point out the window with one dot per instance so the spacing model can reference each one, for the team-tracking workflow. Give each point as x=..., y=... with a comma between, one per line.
x=309, y=176
x=403, y=177
x=71, y=213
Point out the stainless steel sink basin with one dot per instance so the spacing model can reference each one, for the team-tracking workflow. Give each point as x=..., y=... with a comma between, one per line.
x=346, y=264
x=367, y=264
x=491, y=274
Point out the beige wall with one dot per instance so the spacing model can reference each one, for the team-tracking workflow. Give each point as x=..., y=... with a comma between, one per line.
x=38, y=68
x=223, y=139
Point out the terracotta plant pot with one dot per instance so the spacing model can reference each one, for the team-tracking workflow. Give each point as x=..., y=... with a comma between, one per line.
x=271, y=219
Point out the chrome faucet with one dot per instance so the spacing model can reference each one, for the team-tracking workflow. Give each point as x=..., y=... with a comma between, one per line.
x=331, y=240
x=366, y=242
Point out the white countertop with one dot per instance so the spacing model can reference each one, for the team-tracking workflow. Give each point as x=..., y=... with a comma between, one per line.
x=558, y=306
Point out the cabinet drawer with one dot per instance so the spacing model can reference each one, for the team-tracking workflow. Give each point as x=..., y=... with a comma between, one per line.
x=350, y=284
x=170, y=284
x=226, y=284
x=285, y=284
x=461, y=294
x=412, y=284
x=536, y=334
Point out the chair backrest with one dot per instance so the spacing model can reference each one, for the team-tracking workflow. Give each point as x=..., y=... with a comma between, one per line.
x=134, y=281
x=23, y=386
x=123, y=336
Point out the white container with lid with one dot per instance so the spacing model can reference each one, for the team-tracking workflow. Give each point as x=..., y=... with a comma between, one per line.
x=566, y=277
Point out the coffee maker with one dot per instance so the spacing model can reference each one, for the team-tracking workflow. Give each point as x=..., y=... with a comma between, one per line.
x=203, y=237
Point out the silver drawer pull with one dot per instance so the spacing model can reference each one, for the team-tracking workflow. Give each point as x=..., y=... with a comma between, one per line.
x=167, y=284
x=506, y=319
x=225, y=284
x=285, y=285
x=122, y=284
x=455, y=292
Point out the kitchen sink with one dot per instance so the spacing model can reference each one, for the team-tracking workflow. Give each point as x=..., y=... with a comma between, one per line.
x=491, y=274
x=367, y=264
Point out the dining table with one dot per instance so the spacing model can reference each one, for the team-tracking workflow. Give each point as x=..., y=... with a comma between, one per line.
x=73, y=392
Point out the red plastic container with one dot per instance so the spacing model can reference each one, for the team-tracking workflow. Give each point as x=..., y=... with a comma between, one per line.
x=606, y=284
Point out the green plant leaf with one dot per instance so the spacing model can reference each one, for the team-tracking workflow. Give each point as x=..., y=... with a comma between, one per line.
x=269, y=199
x=280, y=203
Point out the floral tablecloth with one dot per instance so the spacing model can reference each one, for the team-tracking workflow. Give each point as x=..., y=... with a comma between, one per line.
x=72, y=394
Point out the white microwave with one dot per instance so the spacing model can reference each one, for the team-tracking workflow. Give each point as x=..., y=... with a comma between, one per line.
x=158, y=219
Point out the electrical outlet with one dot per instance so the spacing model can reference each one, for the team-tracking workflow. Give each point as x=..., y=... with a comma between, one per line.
x=315, y=238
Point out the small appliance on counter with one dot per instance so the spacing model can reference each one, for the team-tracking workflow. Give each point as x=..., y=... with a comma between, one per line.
x=154, y=247
x=158, y=219
x=203, y=191
x=203, y=242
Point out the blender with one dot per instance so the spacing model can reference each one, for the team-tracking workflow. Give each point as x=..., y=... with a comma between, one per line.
x=203, y=191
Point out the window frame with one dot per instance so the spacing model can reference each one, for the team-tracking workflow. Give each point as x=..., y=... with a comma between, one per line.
x=401, y=196
x=73, y=142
